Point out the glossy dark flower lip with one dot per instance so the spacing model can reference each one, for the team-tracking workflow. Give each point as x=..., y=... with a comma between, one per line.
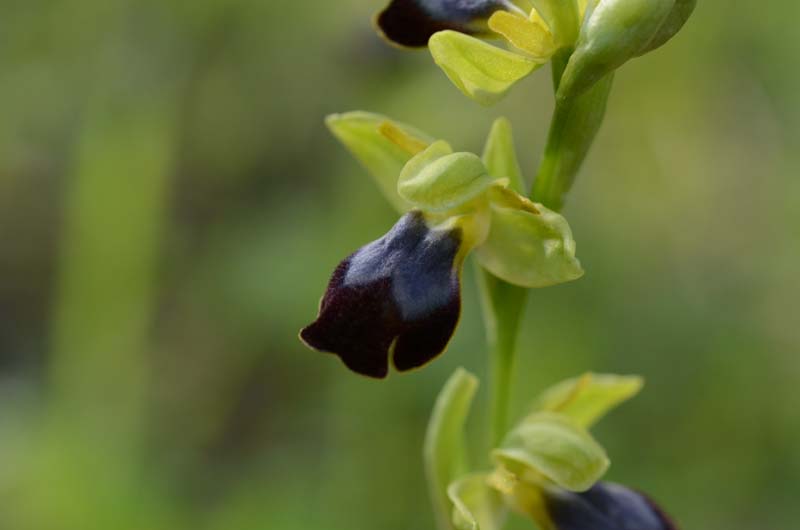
x=397, y=297
x=412, y=22
x=606, y=506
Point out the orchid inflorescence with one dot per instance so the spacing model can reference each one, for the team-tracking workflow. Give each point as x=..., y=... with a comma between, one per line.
x=396, y=301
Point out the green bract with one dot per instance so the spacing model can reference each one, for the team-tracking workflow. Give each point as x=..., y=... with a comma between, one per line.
x=680, y=13
x=444, y=452
x=616, y=31
x=551, y=446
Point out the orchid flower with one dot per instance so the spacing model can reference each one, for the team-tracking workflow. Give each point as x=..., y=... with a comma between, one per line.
x=600, y=35
x=548, y=467
x=398, y=298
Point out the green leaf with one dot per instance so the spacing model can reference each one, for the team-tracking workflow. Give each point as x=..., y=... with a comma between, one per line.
x=588, y=398
x=616, y=30
x=528, y=245
x=551, y=446
x=444, y=452
x=476, y=506
x=361, y=133
x=481, y=71
x=500, y=157
x=437, y=180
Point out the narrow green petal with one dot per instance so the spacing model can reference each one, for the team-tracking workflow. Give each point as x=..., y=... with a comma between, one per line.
x=589, y=397
x=481, y=71
x=476, y=506
x=364, y=135
x=551, y=446
x=529, y=247
x=437, y=180
x=444, y=451
x=500, y=157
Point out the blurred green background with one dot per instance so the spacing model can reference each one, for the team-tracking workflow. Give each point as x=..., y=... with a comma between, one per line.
x=171, y=206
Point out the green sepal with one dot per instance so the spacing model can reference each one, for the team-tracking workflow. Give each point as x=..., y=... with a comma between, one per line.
x=552, y=447
x=360, y=132
x=528, y=245
x=444, y=450
x=615, y=31
x=500, y=157
x=476, y=506
x=481, y=71
x=680, y=13
x=588, y=398
x=437, y=180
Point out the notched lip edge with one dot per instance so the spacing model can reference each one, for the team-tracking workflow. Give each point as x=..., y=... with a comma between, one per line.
x=338, y=356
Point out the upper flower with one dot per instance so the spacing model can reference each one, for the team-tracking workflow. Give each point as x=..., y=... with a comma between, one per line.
x=603, y=34
x=396, y=300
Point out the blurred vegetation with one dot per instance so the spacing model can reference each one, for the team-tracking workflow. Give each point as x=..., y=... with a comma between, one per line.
x=171, y=206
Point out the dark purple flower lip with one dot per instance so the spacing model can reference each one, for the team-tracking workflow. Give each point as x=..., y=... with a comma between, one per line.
x=412, y=22
x=396, y=297
x=605, y=506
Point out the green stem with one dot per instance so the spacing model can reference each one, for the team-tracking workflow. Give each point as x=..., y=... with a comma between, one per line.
x=573, y=128
x=547, y=186
x=503, y=305
x=574, y=125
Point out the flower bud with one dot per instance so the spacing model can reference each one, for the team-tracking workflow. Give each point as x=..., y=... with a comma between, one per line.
x=615, y=31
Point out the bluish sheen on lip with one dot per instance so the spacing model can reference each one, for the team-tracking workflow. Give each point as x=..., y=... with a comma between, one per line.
x=606, y=506
x=399, y=293
x=412, y=22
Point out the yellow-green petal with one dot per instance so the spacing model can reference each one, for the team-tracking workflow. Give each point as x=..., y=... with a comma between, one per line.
x=362, y=133
x=552, y=447
x=481, y=71
x=528, y=246
x=437, y=180
x=476, y=506
x=532, y=37
x=588, y=398
x=444, y=452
